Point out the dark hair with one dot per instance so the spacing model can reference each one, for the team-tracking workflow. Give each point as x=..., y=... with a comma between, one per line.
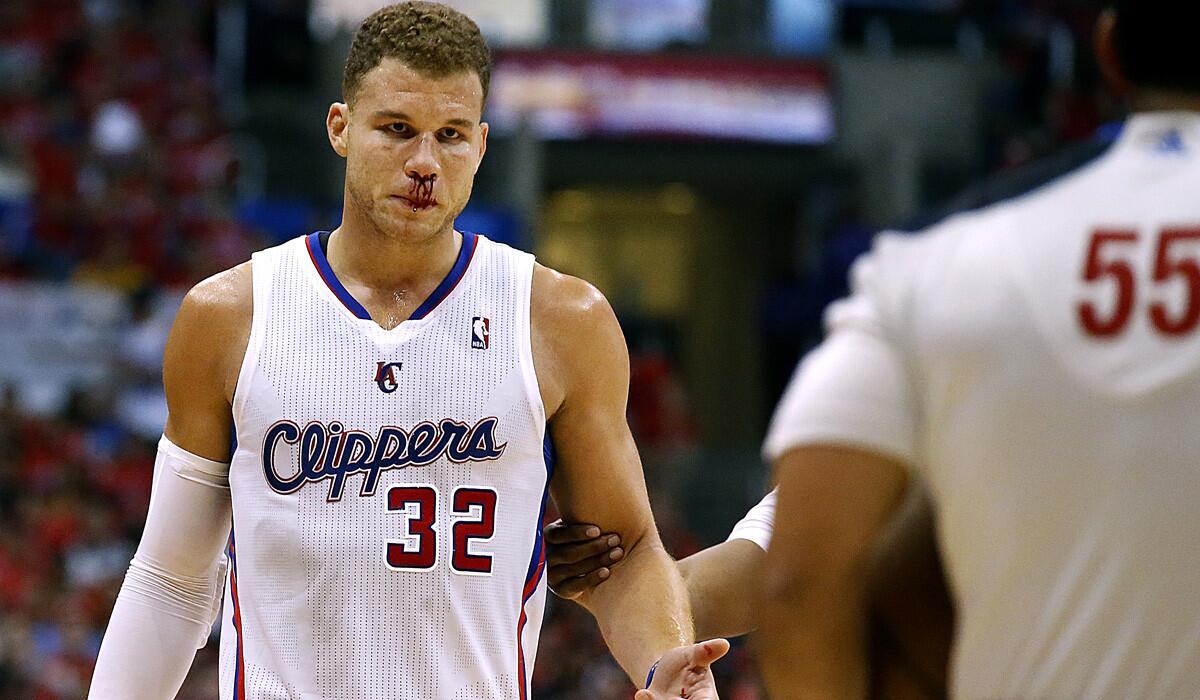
x=426, y=36
x=1155, y=44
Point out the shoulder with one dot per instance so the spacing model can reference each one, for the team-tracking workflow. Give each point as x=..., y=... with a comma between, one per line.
x=213, y=325
x=577, y=340
x=223, y=301
x=996, y=222
x=1031, y=178
x=564, y=302
x=203, y=359
x=888, y=281
x=897, y=258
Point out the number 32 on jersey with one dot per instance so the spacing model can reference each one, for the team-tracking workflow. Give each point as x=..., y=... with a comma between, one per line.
x=473, y=517
x=1110, y=256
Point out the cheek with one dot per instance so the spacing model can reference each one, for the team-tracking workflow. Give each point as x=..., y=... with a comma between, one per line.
x=462, y=167
x=372, y=161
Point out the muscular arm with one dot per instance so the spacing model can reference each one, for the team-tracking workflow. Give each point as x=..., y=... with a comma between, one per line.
x=583, y=369
x=167, y=601
x=833, y=504
x=720, y=585
x=202, y=360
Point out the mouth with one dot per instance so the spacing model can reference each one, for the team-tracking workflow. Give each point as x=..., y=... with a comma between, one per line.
x=417, y=205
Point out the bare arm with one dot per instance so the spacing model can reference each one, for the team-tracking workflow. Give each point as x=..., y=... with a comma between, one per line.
x=911, y=605
x=202, y=360
x=169, y=597
x=833, y=503
x=720, y=585
x=717, y=579
x=583, y=368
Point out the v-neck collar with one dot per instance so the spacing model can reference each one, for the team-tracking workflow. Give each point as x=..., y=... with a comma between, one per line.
x=317, y=242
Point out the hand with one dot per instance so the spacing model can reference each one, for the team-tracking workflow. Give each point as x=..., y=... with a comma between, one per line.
x=578, y=557
x=684, y=672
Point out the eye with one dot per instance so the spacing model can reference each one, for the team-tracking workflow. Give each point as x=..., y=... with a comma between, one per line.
x=400, y=129
x=449, y=133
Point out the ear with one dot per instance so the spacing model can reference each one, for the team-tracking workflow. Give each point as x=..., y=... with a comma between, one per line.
x=337, y=125
x=1107, y=58
x=483, y=134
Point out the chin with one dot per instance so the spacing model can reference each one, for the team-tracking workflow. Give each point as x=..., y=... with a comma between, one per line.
x=417, y=228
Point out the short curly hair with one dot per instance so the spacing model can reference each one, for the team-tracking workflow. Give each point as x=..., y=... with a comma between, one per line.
x=426, y=36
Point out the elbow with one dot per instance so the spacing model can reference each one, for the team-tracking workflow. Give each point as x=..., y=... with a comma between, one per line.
x=811, y=586
x=691, y=581
x=196, y=598
x=780, y=585
x=783, y=598
x=643, y=553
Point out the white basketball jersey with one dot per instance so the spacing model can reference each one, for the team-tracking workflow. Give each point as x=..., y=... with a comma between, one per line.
x=1039, y=362
x=388, y=488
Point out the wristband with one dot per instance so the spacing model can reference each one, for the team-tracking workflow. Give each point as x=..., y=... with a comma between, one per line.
x=650, y=676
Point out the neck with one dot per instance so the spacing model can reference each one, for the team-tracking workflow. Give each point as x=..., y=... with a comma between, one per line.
x=1161, y=100
x=361, y=254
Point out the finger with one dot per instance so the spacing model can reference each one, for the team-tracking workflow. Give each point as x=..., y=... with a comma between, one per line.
x=583, y=568
x=559, y=554
x=560, y=583
x=580, y=569
x=704, y=653
x=571, y=588
x=587, y=566
x=643, y=695
x=559, y=532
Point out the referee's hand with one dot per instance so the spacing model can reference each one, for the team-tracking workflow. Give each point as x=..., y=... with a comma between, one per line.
x=579, y=557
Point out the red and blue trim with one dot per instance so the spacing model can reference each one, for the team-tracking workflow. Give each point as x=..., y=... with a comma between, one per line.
x=537, y=566
x=316, y=252
x=239, y=670
x=465, y=254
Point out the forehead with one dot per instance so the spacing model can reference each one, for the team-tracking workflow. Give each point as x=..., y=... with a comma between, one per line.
x=392, y=85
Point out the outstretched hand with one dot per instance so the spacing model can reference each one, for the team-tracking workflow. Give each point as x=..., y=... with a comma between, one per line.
x=578, y=557
x=684, y=672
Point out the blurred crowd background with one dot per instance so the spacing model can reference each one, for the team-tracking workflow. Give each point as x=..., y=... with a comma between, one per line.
x=713, y=165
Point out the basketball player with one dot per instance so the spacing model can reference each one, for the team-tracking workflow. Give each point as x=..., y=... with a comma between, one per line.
x=393, y=388
x=1037, y=365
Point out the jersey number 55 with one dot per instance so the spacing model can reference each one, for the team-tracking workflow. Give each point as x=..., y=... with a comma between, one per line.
x=1174, y=260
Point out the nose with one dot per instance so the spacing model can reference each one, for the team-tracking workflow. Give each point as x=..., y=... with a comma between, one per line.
x=422, y=163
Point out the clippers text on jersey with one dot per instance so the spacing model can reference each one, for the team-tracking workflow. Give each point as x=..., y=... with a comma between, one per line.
x=329, y=451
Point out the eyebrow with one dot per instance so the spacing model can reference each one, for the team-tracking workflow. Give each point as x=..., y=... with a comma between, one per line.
x=401, y=116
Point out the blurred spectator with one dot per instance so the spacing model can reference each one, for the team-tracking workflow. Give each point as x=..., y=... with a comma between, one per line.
x=142, y=406
x=73, y=493
x=114, y=121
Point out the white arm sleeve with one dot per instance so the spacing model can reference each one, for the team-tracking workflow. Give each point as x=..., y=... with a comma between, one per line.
x=172, y=591
x=758, y=524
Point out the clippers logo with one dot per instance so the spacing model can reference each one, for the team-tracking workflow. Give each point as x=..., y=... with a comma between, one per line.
x=481, y=332
x=293, y=456
x=385, y=376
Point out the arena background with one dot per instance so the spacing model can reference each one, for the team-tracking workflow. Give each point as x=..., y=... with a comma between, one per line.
x=712, y=165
